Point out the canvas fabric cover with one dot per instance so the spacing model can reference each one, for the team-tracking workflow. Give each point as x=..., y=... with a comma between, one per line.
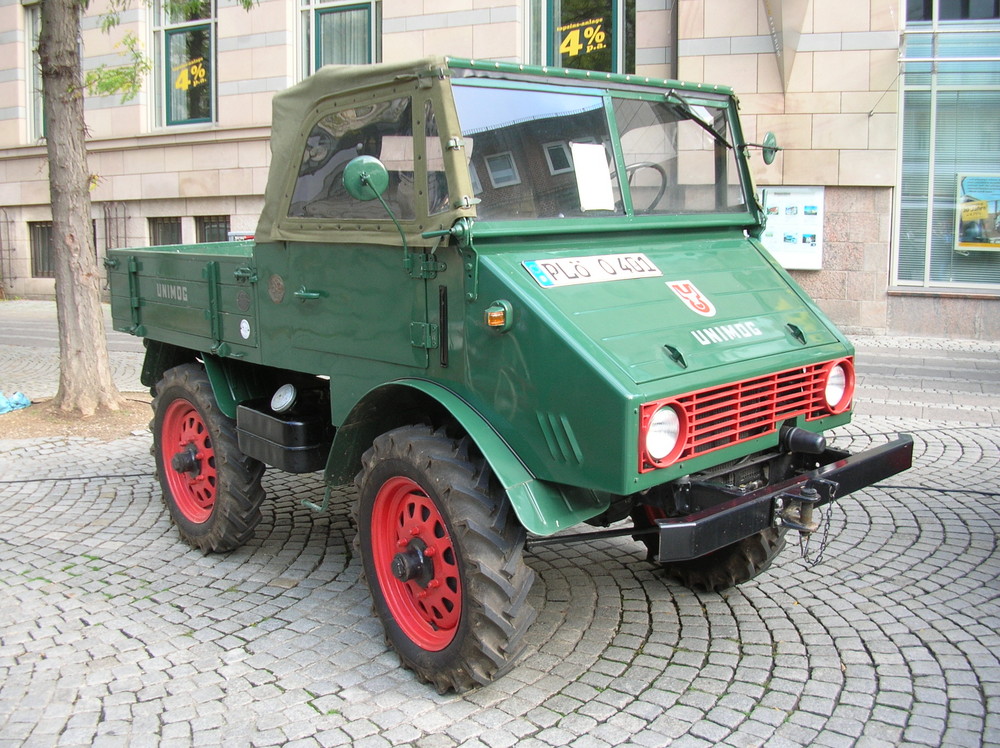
x=293, y=110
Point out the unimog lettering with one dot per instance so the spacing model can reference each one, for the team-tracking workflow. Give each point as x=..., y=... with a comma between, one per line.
x=171, y=292
x=469, y=364
x=725, y=333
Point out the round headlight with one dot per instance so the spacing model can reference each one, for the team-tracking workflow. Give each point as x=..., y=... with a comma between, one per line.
x=663, y=432
x=839, y=387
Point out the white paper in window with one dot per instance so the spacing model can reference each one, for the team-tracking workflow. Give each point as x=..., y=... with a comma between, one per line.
x=593, y=178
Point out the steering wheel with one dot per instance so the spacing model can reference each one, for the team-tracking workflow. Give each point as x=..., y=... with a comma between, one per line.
x=630, y=171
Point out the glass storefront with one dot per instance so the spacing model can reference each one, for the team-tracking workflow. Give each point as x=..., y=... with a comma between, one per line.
x=949, y=207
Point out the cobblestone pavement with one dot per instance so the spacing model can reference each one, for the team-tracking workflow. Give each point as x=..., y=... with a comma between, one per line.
x=113, y=632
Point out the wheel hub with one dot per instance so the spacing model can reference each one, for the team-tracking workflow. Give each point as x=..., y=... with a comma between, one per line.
x=413, y=564
x=186, y=461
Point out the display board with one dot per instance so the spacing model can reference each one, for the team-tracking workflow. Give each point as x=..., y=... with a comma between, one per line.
x=794, y=231
x=977, y=224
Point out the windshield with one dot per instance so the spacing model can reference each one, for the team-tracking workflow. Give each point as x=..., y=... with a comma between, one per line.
x=537, y=154
x=549, y=154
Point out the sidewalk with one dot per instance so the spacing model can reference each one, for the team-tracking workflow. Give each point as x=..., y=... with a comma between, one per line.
x=114, y=633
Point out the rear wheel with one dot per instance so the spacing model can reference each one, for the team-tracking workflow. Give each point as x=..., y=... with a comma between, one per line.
x=726, y=567
x=442, y=554
x=211, y=489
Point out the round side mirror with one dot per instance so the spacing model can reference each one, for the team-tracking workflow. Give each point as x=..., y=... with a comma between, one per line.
x=770, y=148
x=365, y=178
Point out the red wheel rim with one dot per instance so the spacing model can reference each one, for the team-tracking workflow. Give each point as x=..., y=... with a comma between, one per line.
x=428, y=610
x=188, y=461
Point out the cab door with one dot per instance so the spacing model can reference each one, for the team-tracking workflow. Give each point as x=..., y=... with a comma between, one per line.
x=355, y=300
x=350, y=292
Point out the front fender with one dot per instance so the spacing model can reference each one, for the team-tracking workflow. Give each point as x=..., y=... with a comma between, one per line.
x=543, y=508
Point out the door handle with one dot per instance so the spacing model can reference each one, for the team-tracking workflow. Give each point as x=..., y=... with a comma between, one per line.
x=303, y=294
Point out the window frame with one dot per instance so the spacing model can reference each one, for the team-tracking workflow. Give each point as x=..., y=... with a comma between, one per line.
x=206, y=224
x=164, y=30
x=36, y=123
x=310, y=37
x=513, y=167
x=550, y=41
x=156, y=223
x=562, y=146
x=45, y=254
x=929, y=78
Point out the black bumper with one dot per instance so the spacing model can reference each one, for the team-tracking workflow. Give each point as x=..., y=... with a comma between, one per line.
x=839, y=475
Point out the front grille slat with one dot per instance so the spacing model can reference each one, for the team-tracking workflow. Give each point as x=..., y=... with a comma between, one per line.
x=722, y=416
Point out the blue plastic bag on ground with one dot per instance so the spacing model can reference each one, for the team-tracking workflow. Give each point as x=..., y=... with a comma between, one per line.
x=14, y=402
x=19, y=400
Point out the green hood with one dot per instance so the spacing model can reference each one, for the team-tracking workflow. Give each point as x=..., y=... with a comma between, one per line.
x=714, y=301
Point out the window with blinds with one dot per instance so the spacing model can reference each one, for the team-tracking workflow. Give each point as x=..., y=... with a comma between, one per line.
x=949, y=207
x=340, y=33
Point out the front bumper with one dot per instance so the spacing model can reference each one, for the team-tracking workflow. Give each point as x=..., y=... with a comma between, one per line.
x=840, y=474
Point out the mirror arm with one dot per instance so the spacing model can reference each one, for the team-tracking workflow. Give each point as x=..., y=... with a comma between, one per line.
x=365, y=179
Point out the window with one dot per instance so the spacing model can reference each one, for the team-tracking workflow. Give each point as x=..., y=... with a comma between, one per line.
x=185, y=62
x=502, y=169
x=339, y=33
x=949, y=204
x=42, y=261
x=36, y=111
x=42, y=250
x=164, y=231
x=590, y=35
x=212, y=228
x=558, y=157
x=952, y=10
x=437, y=179
x=550, y=154
x=477, y=186
x=383, y=130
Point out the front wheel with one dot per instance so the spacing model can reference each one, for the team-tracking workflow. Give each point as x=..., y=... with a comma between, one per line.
x=210, y=487
x=442, y=555
x=723, y=568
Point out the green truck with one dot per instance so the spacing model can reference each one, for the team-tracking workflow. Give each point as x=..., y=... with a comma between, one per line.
x=504, y=301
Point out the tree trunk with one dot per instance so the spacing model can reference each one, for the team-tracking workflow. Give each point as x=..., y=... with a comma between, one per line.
x=85, y=381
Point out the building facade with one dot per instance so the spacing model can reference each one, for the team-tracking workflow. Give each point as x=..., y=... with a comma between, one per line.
x=884, y=203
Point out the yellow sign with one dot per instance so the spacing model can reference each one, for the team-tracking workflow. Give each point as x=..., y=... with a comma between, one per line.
x=583, y=37
x=975, y=211
x=190, y=74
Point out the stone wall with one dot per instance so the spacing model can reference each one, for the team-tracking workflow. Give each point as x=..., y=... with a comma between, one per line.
x=851, y=287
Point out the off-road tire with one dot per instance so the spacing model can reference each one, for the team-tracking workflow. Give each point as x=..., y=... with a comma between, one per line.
x=215, y=503
x=462, y=623
x=721, y=569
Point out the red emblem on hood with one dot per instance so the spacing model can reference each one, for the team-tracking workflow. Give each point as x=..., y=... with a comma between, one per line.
x=690, y=295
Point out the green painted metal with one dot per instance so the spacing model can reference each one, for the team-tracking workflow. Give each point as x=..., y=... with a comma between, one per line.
x=552, y=397
x=543, y=508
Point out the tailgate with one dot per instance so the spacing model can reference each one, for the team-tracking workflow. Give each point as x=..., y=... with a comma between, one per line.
x=196, y=296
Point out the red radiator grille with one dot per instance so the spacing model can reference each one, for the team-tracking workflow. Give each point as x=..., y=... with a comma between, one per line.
x=732, y=413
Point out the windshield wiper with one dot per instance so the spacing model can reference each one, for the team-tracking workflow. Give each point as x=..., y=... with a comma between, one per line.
x=684, y=107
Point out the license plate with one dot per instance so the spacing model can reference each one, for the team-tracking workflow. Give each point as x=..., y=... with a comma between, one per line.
x=574, y=271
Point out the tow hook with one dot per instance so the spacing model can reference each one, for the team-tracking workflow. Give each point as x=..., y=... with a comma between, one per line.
x=795, y=511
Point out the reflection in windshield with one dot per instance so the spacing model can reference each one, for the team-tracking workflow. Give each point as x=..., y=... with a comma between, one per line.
x=676, y=164
x=523, y=146
x=546, y=154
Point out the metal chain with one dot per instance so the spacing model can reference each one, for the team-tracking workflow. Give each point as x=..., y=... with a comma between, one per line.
x=805, y=538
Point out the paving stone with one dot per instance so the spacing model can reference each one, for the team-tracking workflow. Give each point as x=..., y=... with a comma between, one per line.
x=115, y=629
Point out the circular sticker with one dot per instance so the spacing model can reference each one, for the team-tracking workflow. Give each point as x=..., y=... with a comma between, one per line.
x=245, y=329
x=276, y=288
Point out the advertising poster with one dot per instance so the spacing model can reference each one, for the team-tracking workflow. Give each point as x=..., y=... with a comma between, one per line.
x=977, y=223
x=794, y=230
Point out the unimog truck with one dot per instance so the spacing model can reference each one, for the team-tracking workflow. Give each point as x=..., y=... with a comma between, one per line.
x=503, y=301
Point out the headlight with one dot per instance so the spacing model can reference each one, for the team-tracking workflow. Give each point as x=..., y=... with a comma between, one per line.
x=839, y=388
x=663, y=433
